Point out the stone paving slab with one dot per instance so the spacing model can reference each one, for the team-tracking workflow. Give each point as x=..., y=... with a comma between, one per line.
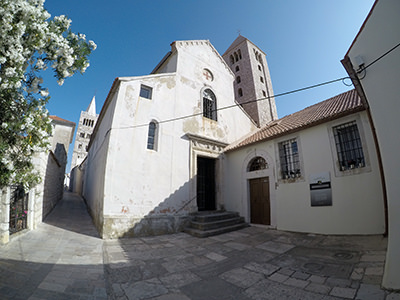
x=64, y=258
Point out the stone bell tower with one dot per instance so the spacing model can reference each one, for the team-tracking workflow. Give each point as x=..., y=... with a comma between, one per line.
x=252, y=80
x=86, y=124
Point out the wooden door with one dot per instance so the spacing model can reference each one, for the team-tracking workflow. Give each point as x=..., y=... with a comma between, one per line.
x=205, y=183
x=260, y=211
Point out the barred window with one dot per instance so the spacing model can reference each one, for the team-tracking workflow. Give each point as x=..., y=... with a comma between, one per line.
x=348, y=146
x=289, y=158
x=209, y=105
x=152, y=136
x=257, y=163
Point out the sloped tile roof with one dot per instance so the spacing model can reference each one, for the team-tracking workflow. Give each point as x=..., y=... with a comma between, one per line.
x=55, y=118
x=333, y=108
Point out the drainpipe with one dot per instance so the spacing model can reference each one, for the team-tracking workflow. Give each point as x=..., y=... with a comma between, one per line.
x=357, y=85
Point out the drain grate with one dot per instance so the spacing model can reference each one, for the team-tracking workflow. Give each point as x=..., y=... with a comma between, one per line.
x=343, y=255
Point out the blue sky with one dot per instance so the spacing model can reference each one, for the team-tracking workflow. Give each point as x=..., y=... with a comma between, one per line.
x=304, y=42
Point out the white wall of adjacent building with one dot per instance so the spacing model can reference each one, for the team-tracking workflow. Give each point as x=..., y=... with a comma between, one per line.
x=380, y=82
x=357, y=202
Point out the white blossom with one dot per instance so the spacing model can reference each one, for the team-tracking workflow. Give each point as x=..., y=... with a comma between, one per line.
x=44, y=93
x=29, y=43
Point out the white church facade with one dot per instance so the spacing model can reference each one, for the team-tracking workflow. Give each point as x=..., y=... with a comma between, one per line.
x=155, y=154
x=201, y=133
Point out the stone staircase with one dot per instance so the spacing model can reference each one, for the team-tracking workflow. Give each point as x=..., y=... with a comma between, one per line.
x=204, y=224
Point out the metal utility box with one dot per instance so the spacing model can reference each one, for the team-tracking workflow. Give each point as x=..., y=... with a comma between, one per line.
x=320, y=189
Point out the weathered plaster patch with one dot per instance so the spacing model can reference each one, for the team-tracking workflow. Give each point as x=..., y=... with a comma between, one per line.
x=169, y=82
x=129, y=97
x=191, y=125
x=188, y=82
x=117, y=226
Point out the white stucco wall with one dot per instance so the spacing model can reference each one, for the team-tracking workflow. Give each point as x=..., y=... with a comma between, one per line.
x=94, y=167
x=380, y=83
x=144, y=186
x=357, y=204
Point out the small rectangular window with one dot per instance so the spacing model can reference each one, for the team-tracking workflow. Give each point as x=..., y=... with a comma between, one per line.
x=145, y=91
x=348, y=146
x=289, y=159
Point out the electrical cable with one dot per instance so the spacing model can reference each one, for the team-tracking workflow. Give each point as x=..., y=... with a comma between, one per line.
x=235, y=105
x=269, y=97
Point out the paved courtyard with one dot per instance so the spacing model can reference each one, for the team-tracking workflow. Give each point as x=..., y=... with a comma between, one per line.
x=65, y=259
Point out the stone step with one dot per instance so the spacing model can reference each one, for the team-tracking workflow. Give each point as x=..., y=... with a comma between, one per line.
x=204, y=224
x=216, y=224
x=214, y=216
x=212, y=232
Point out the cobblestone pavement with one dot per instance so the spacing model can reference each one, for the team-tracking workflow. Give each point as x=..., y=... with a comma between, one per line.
x=65, y=259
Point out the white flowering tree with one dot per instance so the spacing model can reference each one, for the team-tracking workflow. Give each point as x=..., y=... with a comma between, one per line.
x=30, y=43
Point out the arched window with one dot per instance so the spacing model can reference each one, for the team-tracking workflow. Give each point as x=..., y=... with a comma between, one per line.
x=237, y=68
x=236, y=56
x=238, y=79
x=232, y=59
x=257, y=163
x=240, y=92
x=240, y=54
x=209, y=105
x=152, y=136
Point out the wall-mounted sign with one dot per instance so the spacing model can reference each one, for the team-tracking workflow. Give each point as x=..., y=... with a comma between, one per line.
x=320, y=189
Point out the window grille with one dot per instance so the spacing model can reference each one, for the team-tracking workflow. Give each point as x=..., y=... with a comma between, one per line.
x=257, y=163
x=289, y=158
x=18, y=209
x=209, y=105
x=151, y=138
x=348, y=146
x=145, y=91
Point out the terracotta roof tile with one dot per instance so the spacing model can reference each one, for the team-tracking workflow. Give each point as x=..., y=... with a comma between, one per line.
x=333, y=108
x=55, y=118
